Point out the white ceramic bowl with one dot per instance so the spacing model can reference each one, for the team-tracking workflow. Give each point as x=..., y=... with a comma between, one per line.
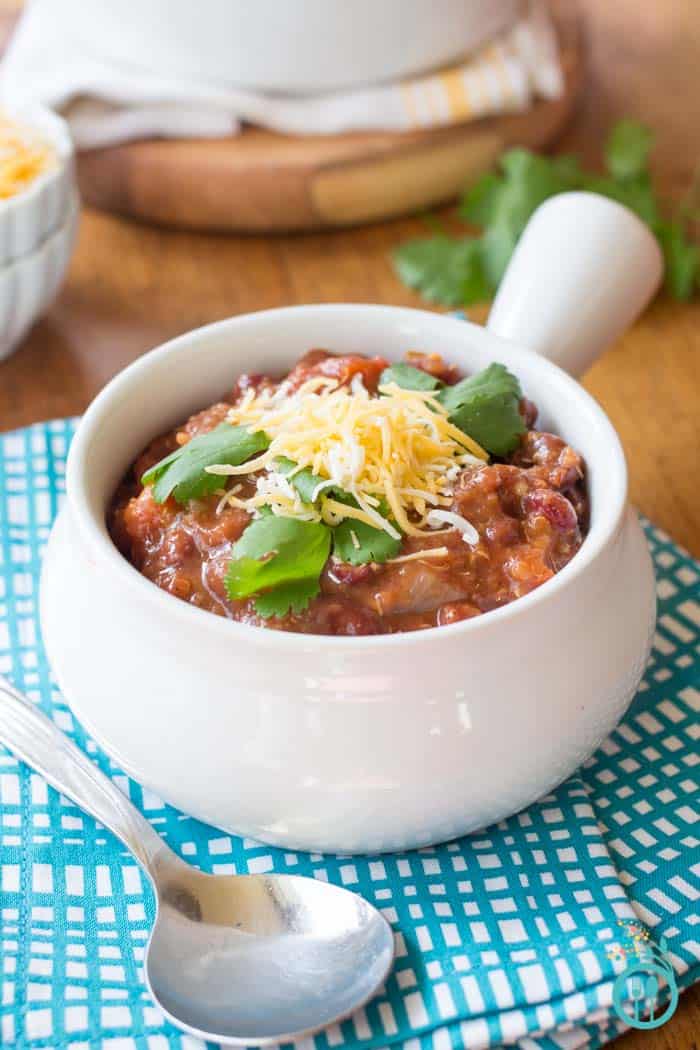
x=28, y=218
x=377, y=743
x=28, y=285
x=284, y=45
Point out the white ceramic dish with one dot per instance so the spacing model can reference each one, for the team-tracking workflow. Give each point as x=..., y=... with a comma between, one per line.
x=285, y=45
x=378, y=743
x=29, y=284
x=28, y=218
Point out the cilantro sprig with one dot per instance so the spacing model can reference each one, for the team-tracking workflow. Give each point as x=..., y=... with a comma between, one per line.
x=287, y=597
x=459, y=271
x=444, y=269
x=183, y=473
x=358, y=543
x=486, y=406
x=280, y=561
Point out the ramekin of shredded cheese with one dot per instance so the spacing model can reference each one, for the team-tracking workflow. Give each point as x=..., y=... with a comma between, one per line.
x=37, y=180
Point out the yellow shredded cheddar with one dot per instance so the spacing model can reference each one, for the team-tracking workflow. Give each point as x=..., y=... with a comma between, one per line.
x=23, y=157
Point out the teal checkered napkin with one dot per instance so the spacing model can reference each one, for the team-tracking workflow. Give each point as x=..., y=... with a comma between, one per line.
x=514, y=935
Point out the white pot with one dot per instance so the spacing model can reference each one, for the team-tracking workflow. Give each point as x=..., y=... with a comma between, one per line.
x=284, y=45
x=378, y=743
x=29, y=284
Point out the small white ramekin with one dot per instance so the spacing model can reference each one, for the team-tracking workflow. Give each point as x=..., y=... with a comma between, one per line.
x=28, y=218
x=28, y=285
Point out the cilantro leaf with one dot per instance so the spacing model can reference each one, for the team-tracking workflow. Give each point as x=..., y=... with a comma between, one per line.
x=276, y=552
x=182, y=474
x=409, y=378
x=444, y=270
x=287, y=597
x=499, y=242
x=486, y=406
x=304, y=481
x=627, y=149
x=682, y=259
x=374, y=544
x=480, y=200
x=476, y=285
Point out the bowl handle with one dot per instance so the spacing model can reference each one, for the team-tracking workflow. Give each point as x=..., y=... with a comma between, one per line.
x=583, y=270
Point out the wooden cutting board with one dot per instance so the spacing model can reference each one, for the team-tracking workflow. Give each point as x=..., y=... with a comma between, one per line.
x=261, y=181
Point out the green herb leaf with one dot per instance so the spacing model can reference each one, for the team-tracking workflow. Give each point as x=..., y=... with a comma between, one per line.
x=636, y=193
x=374, y=544
x=276, y=552
x=499, y=242
x=568, y=170
x=476, y=284
x=485, y=406
x=304, y=481
x=288, y=597
x=682, y=259
x=480, y=200
x=627, y=149
x=409, y=378
x=444, y=270
x=182, y=474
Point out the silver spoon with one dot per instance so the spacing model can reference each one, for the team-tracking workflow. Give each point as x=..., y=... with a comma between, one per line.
x=248, y=959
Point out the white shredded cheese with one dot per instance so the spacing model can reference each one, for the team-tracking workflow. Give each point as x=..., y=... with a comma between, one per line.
x=448, y=517
x=429, y=552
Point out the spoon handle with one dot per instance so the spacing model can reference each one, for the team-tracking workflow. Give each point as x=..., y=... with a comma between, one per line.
x=34, y=738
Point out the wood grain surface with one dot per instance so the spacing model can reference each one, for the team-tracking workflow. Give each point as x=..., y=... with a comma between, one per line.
x=130, y=287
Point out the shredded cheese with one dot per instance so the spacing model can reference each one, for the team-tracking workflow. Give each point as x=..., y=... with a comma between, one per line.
x=400, y=448
x=23, y=156
x=449, y=517
x=429, y=552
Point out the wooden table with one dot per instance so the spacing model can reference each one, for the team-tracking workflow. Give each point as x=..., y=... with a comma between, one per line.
x=131, y=287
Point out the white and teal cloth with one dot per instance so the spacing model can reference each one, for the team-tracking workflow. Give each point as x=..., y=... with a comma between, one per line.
x=514, y=935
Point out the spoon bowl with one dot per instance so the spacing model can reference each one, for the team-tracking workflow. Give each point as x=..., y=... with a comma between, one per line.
x=260, y=959
x=240, y=959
